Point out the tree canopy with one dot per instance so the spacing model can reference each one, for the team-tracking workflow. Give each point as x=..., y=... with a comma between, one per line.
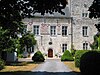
x=13, y=11
x=95, y=9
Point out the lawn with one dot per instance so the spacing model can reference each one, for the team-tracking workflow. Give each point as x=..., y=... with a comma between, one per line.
x=20, y=67
x=71, y=65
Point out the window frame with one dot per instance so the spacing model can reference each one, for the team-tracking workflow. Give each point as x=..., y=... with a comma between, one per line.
x=64, y=47
x=36, y=30
x=85, y=46
x=85, y=31
x=64, y=31
x=53, y=30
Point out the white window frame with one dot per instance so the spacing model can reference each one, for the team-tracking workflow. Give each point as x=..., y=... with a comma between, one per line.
x=85, y=46
x=36, y=30
x=64, y=47
x=64, y=30
x=53, y=30
x=85, y=31
x=85, y=13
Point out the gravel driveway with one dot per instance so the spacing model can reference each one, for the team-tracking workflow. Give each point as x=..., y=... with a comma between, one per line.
x=52, y=67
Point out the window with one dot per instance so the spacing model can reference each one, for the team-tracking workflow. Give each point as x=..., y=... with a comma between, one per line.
x=52, y=30
x=64, y=47
x=36, y=30
x=85, y=46
x=84, y=14
x=85, y=31
x=85, y=11
x=64, y=30
x=31, y=49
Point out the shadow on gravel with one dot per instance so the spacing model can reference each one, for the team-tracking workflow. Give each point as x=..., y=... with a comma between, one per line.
x=38, y=73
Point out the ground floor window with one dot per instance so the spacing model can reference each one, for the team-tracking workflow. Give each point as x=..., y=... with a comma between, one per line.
x=64, y=47
x=85, y=46
x=31, y=49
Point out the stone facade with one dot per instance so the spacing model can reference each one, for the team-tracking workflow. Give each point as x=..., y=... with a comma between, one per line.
x=75, y=21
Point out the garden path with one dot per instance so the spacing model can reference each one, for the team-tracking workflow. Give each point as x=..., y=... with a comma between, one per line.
x=52, y=67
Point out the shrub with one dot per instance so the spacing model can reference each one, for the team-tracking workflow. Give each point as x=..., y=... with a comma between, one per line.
x=2, y=64
x=73, y=52
x=67, y=56
x=78, y=55
x=38, y=57
x=90, y=63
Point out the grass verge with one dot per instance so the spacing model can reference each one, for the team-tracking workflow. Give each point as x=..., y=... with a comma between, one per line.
x=15, y=68
x=71, y=65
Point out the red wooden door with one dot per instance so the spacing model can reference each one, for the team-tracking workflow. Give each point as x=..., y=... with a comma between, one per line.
x=50, y=53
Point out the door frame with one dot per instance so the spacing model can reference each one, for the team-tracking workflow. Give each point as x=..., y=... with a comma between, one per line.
x=50, y=52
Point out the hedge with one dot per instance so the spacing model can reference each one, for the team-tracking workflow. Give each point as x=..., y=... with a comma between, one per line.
x=38, y=57
x=2, y=64
x=67, y=56
x=78, y=55
x=90, y=63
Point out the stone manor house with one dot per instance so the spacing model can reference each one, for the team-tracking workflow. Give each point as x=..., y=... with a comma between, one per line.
x=56, y=33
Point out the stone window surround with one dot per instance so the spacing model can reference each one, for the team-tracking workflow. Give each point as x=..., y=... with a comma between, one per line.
x=64, y=47
x=36, y=30
x=85, y=45
x=85, y=31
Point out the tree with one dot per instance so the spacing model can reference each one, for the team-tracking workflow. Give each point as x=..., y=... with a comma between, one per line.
x=27, y=41
x=94, y=9
x=6, y=43
x=95, y=12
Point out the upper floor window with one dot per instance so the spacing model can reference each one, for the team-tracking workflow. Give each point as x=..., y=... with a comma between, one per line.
x=85, y=46
x=64, y=30
x=52, y=30
x=64, y=47
x=85, y=11
x=36, y=30
x=84, y=14
x=85, y=31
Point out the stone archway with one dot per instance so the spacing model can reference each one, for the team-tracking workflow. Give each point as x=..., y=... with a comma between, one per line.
x=50, y=53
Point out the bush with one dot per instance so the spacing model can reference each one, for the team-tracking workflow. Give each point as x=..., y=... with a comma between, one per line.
x=67, y=56
x=38, y=57
x=2, y=64
x=90, y=63
x=73, y=52
x=78, y=55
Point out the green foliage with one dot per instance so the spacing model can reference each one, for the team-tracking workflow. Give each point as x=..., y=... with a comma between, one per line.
x=6, y=42
x=20, y=55
x=27, y=40
x=96, y=44
x=94, y=9
x=38, y=57
x=90, y=63
x=78, y=55
x=67, y=56
x=2, y=64
x=95, y=12
x=73, y=52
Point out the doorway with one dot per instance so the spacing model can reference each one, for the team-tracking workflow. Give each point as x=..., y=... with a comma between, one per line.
x=50, y=53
